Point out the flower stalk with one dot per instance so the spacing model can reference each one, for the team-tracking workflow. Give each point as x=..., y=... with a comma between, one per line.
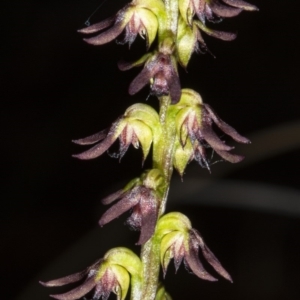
x=182, y=131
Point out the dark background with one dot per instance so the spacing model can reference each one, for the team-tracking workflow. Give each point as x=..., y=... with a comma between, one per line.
x=55, y=88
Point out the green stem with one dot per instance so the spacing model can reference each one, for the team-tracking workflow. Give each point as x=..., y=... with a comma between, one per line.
x=163, y=150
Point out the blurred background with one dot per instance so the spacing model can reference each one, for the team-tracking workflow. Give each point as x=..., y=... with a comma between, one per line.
x=55, y=88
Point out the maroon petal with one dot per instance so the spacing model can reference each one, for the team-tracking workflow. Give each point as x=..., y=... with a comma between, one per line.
x=113, y=197
x=140, y=80
x=174, y=88
x=65, y=280
x=213, y=140
x=107, y=36
x=92, y=139
x=225, y=127
x=98, y=26
x=98, y=149
x=119, y=208
x=210, y=257
x=214, y=262
x=192, y=260
x=148, y=207
x=233, y=158
x=222, y=35
x=224, y=10
x=241, y=4
x=78, y=292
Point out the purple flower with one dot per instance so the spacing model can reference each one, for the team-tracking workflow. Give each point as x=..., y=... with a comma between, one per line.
x=133, y=128
x=195, y=122
x=110, y=274
x=160, y=70
x=104, y=140
x=103, y=286
x=134, y=19
x=144, y=204
x=182, y=243
x=142, y=197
